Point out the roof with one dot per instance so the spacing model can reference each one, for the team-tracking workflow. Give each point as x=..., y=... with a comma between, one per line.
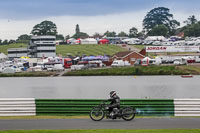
x=122, y=54
x=126, y=53
x=43, y=36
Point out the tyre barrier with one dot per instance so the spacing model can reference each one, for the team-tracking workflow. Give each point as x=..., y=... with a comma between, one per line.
x=17, y=107
x=187, y=107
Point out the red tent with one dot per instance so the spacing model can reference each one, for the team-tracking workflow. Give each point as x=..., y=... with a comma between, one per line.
x=104, y=41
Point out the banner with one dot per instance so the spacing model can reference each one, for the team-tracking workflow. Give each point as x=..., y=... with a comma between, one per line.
x=160, y=49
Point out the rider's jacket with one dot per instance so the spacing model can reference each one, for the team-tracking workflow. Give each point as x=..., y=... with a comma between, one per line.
x=115, y=100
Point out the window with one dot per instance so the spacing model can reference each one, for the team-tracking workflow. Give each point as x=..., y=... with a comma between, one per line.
x=133, y=59
x=46, y=51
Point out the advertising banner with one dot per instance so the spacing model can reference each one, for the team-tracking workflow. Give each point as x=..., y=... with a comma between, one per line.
x=160, y=49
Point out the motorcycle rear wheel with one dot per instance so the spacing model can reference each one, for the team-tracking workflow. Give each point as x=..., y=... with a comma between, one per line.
x=97, y=114
x=128, y=114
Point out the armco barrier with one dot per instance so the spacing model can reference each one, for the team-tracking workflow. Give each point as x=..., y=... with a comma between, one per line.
x=187, y=107
x=17, y=107
x=156, y=107
x=83, y=106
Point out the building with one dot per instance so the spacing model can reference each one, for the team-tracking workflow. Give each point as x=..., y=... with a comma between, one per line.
x=42, y=46
x=17, y=52
x=39, y=46
x=130, y=56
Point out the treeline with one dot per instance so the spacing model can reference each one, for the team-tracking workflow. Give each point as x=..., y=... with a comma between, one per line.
x=157, y=22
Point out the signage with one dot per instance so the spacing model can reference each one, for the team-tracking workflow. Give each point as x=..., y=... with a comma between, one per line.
x=161, y=49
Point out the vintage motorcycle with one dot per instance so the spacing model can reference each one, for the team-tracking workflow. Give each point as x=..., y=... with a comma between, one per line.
x=99, y=112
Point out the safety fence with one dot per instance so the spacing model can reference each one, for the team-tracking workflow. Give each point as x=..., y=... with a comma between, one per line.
x=17, y=107
x=69, y=107
x=83, y=106
x=187, y=107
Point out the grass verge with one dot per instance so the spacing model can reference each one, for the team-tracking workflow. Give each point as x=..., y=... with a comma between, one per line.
x=108, y=131
x=139, y=70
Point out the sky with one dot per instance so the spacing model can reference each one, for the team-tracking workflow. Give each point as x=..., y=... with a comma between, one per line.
x=18, y=17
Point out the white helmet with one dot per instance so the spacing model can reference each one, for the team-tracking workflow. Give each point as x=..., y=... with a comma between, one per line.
x=112, y=93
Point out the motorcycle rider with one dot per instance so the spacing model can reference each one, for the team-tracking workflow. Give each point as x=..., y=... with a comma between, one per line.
x=115, y=103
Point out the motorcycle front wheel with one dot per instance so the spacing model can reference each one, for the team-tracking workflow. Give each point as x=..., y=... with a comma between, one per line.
x=128, y=114
x=97, y=114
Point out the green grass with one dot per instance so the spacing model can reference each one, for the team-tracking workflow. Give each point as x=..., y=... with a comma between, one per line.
x=139, y=46
x=139, y=70
x=107, y=131
x=190, y=69
x=88, y=49
x=4, y=48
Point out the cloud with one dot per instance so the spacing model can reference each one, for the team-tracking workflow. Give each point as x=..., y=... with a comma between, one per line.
x=33, y=9
x=90, y=24
x=19, y=16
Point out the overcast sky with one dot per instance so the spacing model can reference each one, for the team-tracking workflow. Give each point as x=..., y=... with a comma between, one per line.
x=19, y=16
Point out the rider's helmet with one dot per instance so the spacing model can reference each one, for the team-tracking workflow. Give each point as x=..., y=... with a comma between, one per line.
x=112, y=93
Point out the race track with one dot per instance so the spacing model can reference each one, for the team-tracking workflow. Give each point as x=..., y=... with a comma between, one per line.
x=138, y=123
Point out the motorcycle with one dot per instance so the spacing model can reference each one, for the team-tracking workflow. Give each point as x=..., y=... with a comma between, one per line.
x=99, y=112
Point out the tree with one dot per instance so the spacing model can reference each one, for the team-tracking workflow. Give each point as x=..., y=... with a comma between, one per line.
x=97, y=35
x=11, y=41
x=191, y=20
x=122, y=34
x=45, y=28
x=77, y=28
x=79, y=34
x=67, y=37
x=160, y=30
x=160, y=16
x=60, y=37
x=5, y=42
x=192, y=30
x=23, y=38
x=110, y=34
x=133, y=32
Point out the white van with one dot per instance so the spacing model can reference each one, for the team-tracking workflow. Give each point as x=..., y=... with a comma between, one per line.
x=119, y=63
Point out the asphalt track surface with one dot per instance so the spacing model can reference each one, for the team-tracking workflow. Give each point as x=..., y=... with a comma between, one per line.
x=138, y=123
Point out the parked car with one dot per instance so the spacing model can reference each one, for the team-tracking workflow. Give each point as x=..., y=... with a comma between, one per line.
x=180, y=61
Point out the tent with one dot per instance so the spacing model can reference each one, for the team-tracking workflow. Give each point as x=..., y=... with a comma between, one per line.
x=103, y=58
x=103, y=41
x=3, y=57
x=8, y=70
x=72, y=41
x=89, y=41
x=155, y=38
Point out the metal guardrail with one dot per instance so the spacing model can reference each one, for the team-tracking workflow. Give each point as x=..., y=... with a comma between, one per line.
x=144, y=107
x=17, y=107
x=187, y=107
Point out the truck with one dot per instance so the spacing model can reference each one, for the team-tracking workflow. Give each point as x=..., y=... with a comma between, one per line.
x=67, y=62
